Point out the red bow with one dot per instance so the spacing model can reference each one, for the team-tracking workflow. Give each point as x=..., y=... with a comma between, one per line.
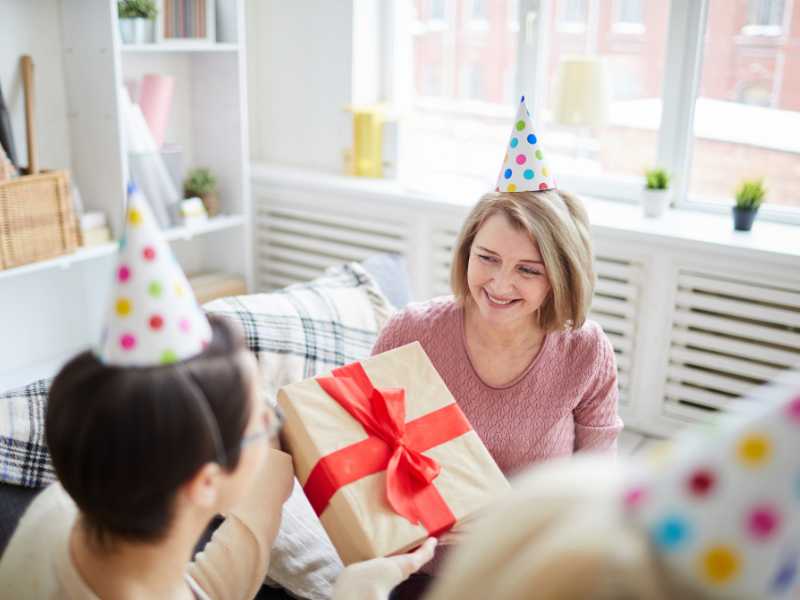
x=393, y=445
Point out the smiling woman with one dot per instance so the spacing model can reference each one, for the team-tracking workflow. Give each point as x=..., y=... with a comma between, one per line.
x=535, y=378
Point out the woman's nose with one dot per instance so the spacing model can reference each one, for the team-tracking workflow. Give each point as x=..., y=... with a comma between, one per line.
x=503, y=282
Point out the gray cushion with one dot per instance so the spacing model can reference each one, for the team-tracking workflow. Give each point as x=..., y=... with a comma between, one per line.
x=390, y=272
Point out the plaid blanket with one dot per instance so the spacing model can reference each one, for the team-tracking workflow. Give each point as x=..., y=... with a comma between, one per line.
x=296, y=333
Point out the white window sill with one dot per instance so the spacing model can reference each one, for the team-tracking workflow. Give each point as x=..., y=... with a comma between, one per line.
x=690, y=229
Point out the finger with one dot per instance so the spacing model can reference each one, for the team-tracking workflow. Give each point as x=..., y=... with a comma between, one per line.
x=413, y=562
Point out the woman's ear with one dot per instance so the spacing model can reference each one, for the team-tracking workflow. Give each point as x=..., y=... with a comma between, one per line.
x=203, y=489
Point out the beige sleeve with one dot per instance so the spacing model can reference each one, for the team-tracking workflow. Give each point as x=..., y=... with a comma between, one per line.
x=234, y=563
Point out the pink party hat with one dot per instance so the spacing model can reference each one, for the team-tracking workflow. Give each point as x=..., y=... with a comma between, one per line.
x=524, y=167
x=723, y=510
x=154, y=318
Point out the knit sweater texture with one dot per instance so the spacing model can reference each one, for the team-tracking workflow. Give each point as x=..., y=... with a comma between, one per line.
x=563, y=402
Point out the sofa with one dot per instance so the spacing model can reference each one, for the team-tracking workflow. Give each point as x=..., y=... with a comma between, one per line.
x=297, y=332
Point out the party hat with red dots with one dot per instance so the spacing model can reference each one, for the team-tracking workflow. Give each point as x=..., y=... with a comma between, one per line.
x=154, y=318
x=524, y=166
x=723, y=511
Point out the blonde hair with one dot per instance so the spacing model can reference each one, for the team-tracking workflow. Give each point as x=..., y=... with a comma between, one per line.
x=560, y=535
x=557, y=222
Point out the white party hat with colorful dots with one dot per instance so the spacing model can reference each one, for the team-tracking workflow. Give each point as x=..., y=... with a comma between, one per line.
x=524, y=166
x=154, y=318
x=723, y=510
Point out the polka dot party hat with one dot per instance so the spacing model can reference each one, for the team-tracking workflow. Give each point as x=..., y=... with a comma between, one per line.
x=723, y=510
x=154, y=318
x=524, y=167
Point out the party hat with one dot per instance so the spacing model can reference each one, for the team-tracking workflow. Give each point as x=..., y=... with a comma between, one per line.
x=153, y=318
x=724, y=511
x=524, y=167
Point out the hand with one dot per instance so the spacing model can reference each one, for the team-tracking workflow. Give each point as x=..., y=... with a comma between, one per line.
x=376, y=578
x=412, y=562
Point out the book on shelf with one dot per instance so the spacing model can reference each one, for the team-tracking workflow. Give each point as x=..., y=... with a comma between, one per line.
x=210, y=286
x=188, y=20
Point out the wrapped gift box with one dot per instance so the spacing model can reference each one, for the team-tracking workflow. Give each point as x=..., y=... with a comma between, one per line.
x=385, y=455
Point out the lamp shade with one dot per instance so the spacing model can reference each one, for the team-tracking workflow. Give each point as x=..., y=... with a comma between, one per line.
x=581, y=92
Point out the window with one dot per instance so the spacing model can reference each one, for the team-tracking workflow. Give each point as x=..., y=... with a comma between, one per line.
x=630, y=11
x=747, y=113
x=478, y=10
x=629, y=17
x=629, y=78
x=463, y=87
x=764, y=18
x=436, y=10
x=765, y=12
x=731, y=109
x=574, y=11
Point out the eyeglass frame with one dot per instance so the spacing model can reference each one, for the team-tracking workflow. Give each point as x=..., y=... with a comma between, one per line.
x=270, y=432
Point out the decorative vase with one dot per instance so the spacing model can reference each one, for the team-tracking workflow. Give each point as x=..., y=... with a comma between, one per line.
x=743, y=218
x=211, y=202
x=137, y=31
x=655, y=202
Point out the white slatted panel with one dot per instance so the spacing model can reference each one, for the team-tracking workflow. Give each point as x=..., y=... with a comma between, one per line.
x=729, y=335
x=616, y=307
x=443, y=240
x=296, y=244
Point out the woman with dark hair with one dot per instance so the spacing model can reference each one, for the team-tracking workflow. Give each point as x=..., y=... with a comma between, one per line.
x=151, y=436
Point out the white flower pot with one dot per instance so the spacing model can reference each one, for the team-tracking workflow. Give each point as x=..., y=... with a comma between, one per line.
x=137, y=31
x=655, y=202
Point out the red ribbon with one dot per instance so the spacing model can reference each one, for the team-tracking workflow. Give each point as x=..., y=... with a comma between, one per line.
x=392, y=445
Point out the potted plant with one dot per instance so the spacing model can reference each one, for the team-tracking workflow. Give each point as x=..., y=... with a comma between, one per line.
x=202, y=183
x=749, y=196
x=137, y=21
x=655, y=196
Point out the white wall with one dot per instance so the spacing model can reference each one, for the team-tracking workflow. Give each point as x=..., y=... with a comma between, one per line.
x=34, y=27
x=300, y=58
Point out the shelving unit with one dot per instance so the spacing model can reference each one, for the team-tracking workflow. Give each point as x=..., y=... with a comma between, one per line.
x=182, y=47
x=51, y=309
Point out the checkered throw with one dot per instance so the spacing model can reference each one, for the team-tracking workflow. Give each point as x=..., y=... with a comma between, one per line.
x=296, y=332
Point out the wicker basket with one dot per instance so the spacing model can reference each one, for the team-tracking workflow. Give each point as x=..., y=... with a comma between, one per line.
x=36, y=219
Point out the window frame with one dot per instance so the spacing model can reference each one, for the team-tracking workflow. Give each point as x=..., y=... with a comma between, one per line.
x=686, y=34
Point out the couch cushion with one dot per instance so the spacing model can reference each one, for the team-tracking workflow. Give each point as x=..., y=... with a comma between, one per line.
x=24, y=459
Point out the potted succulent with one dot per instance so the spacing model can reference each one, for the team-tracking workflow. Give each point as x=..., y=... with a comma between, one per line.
x=137, y=21
x=655, y=196
x=202, y=183
x=749, y=196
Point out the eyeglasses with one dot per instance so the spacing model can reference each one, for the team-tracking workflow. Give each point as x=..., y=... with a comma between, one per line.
x=273, y=423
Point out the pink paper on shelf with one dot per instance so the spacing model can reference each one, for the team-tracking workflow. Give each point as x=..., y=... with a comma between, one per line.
x=155, y=100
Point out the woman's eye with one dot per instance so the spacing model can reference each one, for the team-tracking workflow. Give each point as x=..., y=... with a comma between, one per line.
x=528, y=272
x=486, y=259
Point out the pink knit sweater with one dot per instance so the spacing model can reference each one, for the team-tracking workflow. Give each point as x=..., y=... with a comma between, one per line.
x=566, y=400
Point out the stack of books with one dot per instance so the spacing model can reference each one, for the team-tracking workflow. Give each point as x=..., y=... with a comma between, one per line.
x=190, y=19
x=210, y=286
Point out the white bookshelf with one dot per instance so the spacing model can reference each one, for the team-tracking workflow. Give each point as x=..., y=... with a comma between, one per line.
x=53, y=308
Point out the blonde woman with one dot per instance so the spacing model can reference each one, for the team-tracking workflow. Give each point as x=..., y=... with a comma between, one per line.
x=535, y=378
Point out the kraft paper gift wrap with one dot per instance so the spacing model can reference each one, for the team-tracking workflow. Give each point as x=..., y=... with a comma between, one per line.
x=358, y=516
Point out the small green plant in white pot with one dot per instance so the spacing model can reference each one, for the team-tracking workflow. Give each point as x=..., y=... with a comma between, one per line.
x=202, y=183
x=137, y=21
x=655, y=196
x=749, y=196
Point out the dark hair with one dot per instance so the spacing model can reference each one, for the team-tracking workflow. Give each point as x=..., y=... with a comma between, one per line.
x=124, y=439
